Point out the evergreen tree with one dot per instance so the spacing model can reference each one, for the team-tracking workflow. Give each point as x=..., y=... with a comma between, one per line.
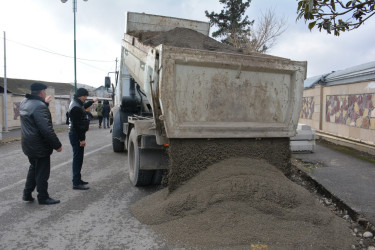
x=232, y=27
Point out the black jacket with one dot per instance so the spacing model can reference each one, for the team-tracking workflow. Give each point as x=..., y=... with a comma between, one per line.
x=105, y=110
x=38, y=137
x=79, y=123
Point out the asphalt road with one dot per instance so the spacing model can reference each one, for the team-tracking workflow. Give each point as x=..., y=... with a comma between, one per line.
x=98, y=218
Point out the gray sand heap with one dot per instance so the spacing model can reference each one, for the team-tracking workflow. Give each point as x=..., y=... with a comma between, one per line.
x=184, y=38
x=242, y=201
x=187, y=38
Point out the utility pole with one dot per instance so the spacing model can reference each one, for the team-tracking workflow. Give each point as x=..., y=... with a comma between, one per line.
x=5, y=88
x=113, y=88
x=108, y=84
x=75, y=54
x=116, y=72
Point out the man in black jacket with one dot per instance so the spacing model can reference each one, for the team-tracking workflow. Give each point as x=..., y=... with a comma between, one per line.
x=106, y=109
x=38, y=142
x=79, y=125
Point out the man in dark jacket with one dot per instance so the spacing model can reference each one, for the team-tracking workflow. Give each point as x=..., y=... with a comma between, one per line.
x=105, y=112
x=38, y=142
x=99, y=113
x=79, y=125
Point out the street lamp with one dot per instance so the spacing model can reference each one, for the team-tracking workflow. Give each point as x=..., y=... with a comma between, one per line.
x=75, y=57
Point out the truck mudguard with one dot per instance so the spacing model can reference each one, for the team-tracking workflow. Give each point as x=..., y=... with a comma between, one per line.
x=120, y=118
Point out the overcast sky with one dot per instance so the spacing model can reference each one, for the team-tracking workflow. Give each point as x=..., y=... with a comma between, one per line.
x=34, y=27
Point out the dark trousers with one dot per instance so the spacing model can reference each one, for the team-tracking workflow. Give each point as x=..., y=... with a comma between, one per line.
x=78, y=152
x=100, y=120
x=106, y=121
x=38, y=176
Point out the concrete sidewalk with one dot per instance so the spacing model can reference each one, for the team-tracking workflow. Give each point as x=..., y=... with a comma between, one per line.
x=347, y=174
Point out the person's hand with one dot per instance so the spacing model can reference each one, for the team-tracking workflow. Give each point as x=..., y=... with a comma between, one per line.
x=59, y=149
x=95, y=99
x=48, y=99
x=82, y=144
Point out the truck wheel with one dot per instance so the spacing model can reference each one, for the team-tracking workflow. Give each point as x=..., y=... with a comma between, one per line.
x=137, y=176
x=118, y=146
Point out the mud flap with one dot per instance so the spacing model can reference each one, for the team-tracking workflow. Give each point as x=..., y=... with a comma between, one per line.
x=152, y=159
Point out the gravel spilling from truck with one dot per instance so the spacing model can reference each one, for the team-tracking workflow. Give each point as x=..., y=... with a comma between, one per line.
x=187, y=157
x=242, y=201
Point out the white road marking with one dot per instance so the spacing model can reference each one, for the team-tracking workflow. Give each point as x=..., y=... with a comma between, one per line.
x=52, y=169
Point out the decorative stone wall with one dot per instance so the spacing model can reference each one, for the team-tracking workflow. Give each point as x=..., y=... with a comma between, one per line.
x=307, y=107
x=351, y=110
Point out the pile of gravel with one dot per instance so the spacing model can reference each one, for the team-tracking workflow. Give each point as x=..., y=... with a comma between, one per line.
x=242, y=201
x=182, y=37
x=187, y=38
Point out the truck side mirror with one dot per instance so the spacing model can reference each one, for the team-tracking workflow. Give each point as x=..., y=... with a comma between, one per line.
x=107, y=82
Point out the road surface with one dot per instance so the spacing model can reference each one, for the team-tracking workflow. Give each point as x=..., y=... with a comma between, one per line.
x=98, y=218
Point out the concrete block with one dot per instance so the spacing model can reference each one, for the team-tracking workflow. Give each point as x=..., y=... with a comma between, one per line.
x=302, y=146
x=304, y=140
x=303, y=127
x=304, y=135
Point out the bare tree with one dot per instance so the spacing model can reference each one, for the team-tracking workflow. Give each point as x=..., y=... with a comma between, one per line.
x=263, y=35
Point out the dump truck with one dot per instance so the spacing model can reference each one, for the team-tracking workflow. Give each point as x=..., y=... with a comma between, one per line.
x=173, y=94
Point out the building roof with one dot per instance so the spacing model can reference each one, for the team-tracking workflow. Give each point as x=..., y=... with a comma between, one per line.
x=312, y=81
x=102, y=88
x=22, y=86
x=359, y=73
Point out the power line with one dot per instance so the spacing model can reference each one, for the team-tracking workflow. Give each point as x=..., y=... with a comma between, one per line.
x=89, y=65
x=55, y=53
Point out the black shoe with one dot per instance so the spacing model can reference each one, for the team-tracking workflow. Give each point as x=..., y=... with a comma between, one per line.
x=81, y=182
x=48, y=201
x=27, y=198
x=80, y=187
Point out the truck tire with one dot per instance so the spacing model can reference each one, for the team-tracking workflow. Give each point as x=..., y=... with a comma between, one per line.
x=137, y=176
x=118, y=146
